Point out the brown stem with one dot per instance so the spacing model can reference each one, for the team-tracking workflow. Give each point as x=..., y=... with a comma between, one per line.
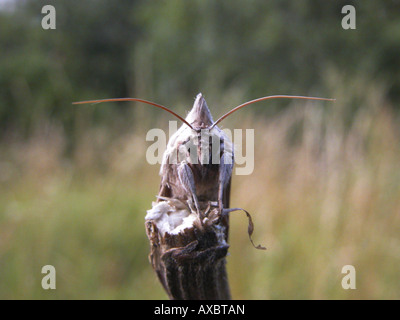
x=191, y=264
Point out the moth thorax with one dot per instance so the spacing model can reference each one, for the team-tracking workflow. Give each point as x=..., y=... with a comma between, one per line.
x=202, y=148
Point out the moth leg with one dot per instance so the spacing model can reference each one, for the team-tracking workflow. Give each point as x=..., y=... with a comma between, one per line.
x=207, y=209
x=186, y=178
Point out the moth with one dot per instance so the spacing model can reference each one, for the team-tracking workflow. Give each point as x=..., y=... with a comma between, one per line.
x=188, y=224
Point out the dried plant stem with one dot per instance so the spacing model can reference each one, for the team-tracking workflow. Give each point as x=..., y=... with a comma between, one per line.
x=191, y=264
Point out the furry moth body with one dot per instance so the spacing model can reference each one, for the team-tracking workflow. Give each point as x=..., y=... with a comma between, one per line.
x=188, y=224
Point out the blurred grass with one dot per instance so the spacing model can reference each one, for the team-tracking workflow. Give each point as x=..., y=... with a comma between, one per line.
x=325, y=193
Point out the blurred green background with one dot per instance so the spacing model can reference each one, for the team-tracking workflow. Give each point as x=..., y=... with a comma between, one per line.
x=75, y=184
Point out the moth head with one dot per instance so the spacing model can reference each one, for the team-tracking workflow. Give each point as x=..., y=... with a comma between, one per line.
x=200, y=116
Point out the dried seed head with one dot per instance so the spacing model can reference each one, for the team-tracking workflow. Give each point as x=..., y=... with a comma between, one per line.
x=171, y=219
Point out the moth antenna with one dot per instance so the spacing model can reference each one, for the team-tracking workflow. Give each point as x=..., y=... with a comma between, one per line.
x=137, y=100
x=266, y=98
